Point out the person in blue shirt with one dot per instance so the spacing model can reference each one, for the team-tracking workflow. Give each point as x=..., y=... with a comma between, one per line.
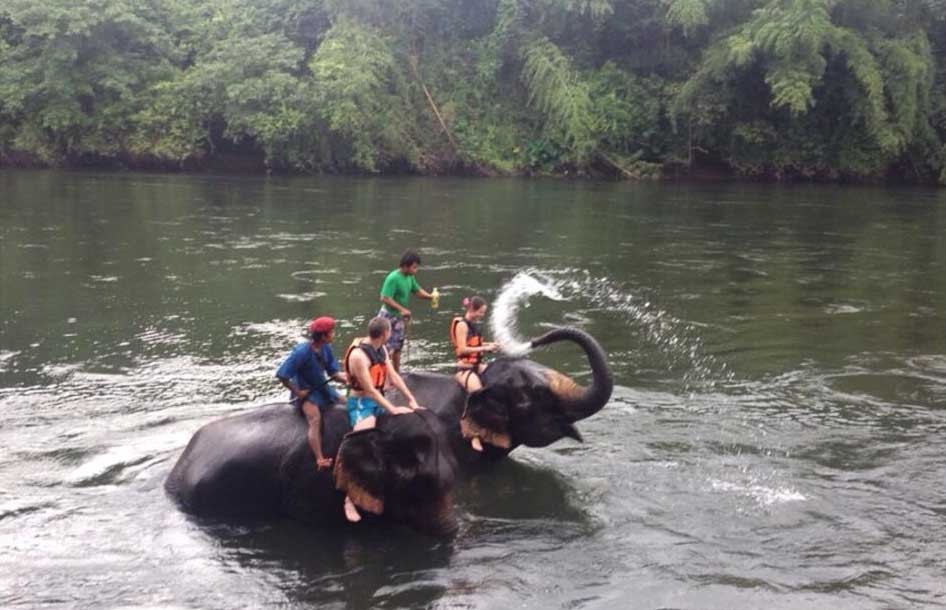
x=306, y=373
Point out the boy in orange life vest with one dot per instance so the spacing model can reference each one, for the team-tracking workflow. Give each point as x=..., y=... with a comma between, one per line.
x=467, y=339
x=368, y=367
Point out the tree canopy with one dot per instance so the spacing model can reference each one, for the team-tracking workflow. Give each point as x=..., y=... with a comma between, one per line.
x=826, y=89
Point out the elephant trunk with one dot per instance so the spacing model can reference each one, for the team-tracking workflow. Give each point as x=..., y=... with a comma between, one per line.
x=579, y=403
x=437, y=519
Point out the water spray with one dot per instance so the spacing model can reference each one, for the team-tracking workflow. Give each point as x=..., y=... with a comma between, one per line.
x=679, y=344
x=512, y=297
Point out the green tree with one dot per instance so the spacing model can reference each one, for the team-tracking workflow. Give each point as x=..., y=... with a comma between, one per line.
x=362, y=97
x=72, y=72
x=826, y=89
x=878, y=94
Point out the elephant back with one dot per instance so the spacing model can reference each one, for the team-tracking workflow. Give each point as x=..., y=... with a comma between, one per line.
x=256, y=463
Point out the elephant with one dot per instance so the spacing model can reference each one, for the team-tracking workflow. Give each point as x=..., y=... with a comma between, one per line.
x=259, y=463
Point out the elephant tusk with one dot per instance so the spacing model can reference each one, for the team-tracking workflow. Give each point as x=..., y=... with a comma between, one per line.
x=361, y=497
x=579, y=403
x=564, y=387
x=469, y=429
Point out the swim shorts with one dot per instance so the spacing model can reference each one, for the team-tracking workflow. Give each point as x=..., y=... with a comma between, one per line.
x=361, y=407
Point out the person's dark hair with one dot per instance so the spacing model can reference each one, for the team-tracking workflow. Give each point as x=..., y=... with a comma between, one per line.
x=474, y=303
x=377, y=327
x=318, y=336
x=409, y=258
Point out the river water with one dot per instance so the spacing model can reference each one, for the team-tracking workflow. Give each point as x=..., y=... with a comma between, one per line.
x=776, y=437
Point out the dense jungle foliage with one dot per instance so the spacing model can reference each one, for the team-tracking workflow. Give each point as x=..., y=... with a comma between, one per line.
x=822, y=89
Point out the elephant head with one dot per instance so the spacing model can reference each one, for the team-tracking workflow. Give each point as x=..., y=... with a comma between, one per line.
x=403, y=468
x=525, y=403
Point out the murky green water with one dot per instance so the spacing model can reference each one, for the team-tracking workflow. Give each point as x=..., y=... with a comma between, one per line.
x=777, y=436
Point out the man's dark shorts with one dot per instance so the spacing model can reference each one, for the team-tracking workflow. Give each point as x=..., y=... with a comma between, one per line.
x=324, y=400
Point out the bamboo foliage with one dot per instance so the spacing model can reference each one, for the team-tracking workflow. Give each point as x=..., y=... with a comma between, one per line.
x=360, y=89
x=687, y=14
x=793, y=42
x=558, y=92
x=595, y=8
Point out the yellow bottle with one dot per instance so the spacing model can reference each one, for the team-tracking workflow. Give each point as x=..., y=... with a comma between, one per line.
x=435, y=299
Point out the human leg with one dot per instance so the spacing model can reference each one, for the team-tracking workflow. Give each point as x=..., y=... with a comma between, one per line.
x=351, y=511
x=314, y=417
x=362, y=416
x=469, y=380
x=396, y=341
x=365, y=424
x=473, y=382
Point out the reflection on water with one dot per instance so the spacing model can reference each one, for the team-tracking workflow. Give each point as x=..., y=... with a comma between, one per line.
x=776, y=436
x=376, y=566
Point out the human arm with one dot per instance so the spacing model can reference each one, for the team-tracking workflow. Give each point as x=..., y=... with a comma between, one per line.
x=296, y=390
x=462, y=349
x=416, y=289
x=398, y=382
x=394, y=292
x=395, y=305
x=332, y=368
x=287, y=373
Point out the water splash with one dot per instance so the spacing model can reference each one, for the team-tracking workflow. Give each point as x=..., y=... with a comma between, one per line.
x=6, y=356
x=678, y=341
x=763, y=495
x=512, y=297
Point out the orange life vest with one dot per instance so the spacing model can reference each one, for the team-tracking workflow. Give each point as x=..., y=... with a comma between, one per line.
x=473, y=339
x=378, y=369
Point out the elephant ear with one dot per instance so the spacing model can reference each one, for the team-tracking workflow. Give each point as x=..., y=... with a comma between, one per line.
x=487, y=416
x=537, y=419
x=359, y=469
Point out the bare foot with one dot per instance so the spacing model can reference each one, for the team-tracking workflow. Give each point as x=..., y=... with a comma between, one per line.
x=351, y=513
x=323, y=463
x=476, y=443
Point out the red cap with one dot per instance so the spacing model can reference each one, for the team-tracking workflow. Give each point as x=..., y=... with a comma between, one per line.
x=321, y=325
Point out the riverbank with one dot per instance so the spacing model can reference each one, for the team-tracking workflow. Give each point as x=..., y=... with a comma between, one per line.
x=255, y=164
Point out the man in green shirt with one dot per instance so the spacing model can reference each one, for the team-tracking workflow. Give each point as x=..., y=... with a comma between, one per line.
x=396, y=293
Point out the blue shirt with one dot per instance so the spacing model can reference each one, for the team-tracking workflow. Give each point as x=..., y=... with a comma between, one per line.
x=308, y=369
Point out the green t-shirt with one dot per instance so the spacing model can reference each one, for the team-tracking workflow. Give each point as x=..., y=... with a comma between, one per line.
x=399, y=287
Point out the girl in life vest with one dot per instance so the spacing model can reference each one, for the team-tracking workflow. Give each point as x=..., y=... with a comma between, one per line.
x=468, y=344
